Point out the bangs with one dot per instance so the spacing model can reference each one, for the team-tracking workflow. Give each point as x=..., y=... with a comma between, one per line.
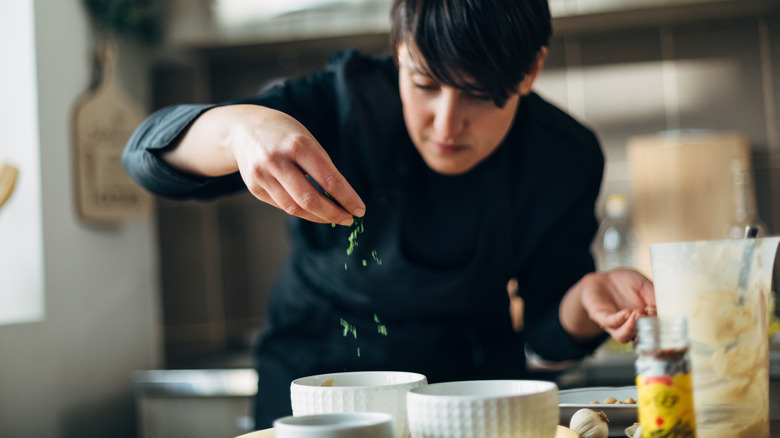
x=485, y=46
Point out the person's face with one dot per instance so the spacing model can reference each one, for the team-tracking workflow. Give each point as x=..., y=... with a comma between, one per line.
x=454, y=130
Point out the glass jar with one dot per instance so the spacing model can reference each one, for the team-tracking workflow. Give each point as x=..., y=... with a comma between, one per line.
x=664, y=383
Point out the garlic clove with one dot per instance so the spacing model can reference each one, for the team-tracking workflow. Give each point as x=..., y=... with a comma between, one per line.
x=590, y=424
x=631, y=430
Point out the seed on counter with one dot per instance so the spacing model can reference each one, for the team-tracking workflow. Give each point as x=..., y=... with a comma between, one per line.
x=614, y=401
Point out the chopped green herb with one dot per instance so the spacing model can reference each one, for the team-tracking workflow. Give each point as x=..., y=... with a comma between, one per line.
x=349, y=328
x=357, y=228
x=345, y=266
x=381, y=328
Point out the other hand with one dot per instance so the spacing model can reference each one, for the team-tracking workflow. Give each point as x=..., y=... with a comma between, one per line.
x=611, y=301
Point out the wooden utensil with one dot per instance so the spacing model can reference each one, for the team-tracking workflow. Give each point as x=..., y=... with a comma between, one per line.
x=8, y=175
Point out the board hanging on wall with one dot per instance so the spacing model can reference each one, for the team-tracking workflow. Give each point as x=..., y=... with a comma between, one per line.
x=104, y=120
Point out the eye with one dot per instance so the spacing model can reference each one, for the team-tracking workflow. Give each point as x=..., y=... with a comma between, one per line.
x=426, y=87
x=424, y=84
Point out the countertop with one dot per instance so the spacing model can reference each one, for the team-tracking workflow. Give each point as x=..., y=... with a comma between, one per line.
x=234, y=377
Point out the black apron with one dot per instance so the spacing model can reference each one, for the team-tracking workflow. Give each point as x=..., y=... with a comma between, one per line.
x=448, y=323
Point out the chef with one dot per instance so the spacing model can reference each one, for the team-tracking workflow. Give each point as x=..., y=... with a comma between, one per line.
x=442, y=174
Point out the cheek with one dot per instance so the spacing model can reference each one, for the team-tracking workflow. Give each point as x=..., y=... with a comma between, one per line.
x=413, y=114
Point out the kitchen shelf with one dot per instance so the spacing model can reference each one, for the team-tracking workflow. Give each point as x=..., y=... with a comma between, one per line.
x=194, y=24
x=619, y=14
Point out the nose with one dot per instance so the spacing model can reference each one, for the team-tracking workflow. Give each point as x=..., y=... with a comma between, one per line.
x=449, y=119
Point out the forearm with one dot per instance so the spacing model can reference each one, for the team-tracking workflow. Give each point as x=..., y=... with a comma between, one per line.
x=204, y=149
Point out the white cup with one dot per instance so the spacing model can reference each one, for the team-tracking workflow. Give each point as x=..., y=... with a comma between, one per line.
x=359, y=391
x=336, y=425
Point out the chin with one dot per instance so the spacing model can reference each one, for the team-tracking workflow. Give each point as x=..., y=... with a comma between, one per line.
x=448, y=168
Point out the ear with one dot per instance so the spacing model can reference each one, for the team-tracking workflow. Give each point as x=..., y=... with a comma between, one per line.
x=528, y=81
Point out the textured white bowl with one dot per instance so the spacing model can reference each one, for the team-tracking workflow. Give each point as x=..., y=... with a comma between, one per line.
x=340, y=425
x=363, y=391
x=484, y=409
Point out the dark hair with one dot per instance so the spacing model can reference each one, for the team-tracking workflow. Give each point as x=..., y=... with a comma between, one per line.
x=486, y=46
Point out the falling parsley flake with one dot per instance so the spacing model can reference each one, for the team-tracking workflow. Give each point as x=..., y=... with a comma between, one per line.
x=357, y=228
x=349, y=328
x=381, y=328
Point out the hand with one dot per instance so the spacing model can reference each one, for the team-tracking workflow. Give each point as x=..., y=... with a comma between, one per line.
x=274, y=154
x=611, y=301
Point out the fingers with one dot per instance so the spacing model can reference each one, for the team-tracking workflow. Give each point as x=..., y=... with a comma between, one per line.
x=322, y=170
x=648, y=295
x=281, y=200
x=275, y=171
x=611, y=320
x=626, y=331
x=298, y=196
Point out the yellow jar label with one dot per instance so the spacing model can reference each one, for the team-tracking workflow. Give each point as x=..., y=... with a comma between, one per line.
x=666, y=406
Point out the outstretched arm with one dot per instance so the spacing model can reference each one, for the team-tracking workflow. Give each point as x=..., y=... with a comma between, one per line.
x=274, y=154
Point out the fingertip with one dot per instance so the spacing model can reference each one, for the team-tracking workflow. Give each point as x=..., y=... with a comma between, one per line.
x=359, y=212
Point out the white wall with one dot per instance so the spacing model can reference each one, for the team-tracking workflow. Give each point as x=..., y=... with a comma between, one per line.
x=69, y=375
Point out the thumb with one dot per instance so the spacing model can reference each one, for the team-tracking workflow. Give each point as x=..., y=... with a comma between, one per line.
x=610, y=320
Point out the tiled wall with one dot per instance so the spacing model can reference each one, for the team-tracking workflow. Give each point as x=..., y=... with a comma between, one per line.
x=218, y=260
x=716, y=75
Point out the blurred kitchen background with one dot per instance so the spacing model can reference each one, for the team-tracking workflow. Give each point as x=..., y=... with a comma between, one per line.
x=130, y=315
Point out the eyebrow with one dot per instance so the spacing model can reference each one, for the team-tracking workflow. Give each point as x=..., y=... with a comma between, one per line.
x=408, y=63
x=414, y=68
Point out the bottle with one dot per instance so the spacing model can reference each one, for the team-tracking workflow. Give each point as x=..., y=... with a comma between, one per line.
x=615, y=244
x=664, y=382
x=745, y=216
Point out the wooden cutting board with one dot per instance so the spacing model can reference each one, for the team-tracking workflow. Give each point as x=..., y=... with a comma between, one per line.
x=104, y=120
x=8, y=175
x=683, y=187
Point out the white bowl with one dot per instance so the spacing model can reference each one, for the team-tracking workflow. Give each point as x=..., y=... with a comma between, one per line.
x=484, y=409
x=340, y=425
x=362, y=391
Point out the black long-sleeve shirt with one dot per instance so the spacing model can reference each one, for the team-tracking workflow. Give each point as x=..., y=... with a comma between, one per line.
x=447, y=244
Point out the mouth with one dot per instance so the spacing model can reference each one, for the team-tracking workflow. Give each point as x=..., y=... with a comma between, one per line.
x=448, y=148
